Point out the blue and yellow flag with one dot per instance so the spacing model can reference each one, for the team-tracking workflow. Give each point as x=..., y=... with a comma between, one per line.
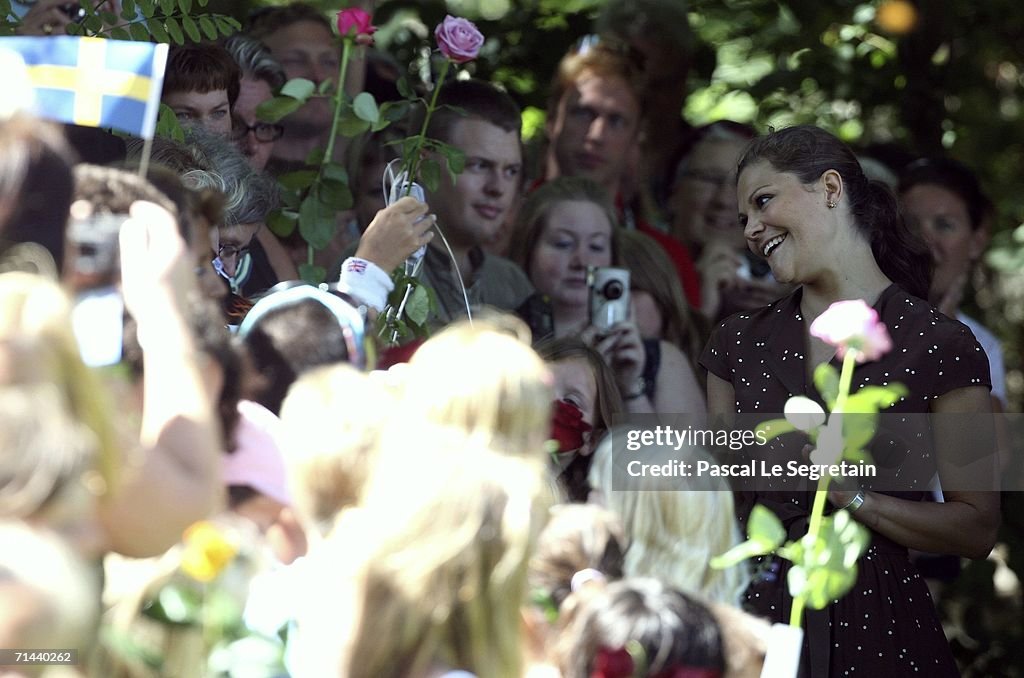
x=93, y=81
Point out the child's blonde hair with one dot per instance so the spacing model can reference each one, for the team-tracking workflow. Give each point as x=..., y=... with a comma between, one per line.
x=449, y=527
x=672, y=534
x=483, y=379
x=331, y=422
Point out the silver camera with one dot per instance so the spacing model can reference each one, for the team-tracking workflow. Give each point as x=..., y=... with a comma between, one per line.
x=609, y=295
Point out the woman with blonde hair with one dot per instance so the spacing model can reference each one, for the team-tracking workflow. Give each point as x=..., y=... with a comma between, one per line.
x=441, y=544
x=673, y=534
x=484, y=379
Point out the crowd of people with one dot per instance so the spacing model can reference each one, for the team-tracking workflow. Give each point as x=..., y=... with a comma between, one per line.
x=209, y=467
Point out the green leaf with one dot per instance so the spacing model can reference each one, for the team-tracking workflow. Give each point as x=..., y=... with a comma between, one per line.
x=430, y=173
x=297, y=181
x=138, y=32
x=74, y=29
x=275, y=108
x=394, y=110
x=875, y=398
x=186, y=6
x=315, y=157
x=109, y=18
x=225, y=24
x=156, y=28
x=765, y=528
x=858, y=430
x=365, y=107
x=335, y=172
x=335, y=194
x=298, y=88
x=148, y=7
x=312, y=274
x=351, y=126
x=120, y=34
x=404, y=89
x=325, y=88
x=456, y=160
x=737, y=554
x=191, y=28
x=282, y=222
x=167, y=124
x=202, y=3
x=418, y=307
x=93, y=24
x=826, y=380
x=208, y=27
x=316, y=222
x=167, y=6
x=774, y=428
x=129, y=10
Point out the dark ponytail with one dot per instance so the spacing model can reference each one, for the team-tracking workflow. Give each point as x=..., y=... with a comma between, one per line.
x=808, y=152
x=901, y=253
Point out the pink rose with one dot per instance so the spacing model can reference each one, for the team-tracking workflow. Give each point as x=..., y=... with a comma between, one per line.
x=355, y=22
x=853, y=325
x=458, y=39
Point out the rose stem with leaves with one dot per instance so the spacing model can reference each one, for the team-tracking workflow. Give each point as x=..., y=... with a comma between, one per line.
x=339, y=103
x=422, y=136
x=818, y=509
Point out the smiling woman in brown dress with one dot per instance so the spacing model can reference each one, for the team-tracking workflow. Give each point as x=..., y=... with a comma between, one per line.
x=806, y=206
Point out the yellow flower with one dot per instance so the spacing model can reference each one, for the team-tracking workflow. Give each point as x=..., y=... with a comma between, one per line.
x=207, y=551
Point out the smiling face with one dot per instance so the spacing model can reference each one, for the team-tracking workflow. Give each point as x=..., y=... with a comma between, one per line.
x=942, y=219
x=473, y=208
x=576, y=234
x=786, y=222
x=596, y=124
x=703, y=198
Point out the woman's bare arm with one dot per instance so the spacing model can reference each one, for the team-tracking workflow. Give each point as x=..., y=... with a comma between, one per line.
x=967, y=522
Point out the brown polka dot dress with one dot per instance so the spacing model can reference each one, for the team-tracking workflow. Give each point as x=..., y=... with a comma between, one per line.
x=886, y=625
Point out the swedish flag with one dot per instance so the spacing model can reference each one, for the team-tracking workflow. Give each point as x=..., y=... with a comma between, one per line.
x=93, y=81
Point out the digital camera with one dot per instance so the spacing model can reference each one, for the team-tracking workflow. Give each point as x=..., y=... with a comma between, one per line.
x=609, y=295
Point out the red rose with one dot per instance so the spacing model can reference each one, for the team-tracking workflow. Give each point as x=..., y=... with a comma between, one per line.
x=568, y=427
x=355, y=22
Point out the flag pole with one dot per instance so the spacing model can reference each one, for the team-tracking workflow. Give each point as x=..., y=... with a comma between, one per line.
x=147, y=149
x=153, y=106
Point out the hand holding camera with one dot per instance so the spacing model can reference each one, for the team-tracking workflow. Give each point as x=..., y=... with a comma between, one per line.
x=612, y=332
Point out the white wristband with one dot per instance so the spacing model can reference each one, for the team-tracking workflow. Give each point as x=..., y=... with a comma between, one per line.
x=366, y=281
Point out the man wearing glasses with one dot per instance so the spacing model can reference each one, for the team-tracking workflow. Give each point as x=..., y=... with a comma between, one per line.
x=261, y=77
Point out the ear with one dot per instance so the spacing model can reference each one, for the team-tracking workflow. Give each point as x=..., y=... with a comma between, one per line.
x=832, y=184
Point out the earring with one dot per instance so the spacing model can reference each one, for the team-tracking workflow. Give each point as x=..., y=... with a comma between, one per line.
x=831, y=204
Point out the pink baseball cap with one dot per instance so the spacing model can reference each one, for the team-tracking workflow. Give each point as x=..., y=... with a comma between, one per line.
x=257, y=460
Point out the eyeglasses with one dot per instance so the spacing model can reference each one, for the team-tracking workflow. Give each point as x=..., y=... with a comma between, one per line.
x=264, y=131
x=230, y=250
